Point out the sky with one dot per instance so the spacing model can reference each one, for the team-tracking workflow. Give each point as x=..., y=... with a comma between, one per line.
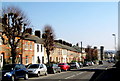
x=93, y=23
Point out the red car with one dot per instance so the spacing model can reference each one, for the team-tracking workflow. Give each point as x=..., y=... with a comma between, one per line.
x=64, y=66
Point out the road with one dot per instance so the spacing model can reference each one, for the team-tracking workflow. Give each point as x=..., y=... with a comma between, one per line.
x=83, y=74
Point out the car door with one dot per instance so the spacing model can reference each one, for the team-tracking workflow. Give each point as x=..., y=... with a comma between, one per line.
x=67, y=66
x=56, y=66
x=17, y=70
x=44, y=68
x=22, y=70
x=41, y=69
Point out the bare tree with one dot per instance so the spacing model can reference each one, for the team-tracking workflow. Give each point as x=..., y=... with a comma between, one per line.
x=48, y=36
x=14, y=24
x=88, y=50
x=94, y=54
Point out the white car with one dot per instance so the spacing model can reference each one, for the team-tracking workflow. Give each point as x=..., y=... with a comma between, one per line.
x=37, y=69
x=74, y=65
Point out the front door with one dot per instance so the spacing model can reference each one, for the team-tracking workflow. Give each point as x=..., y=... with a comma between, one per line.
x=1, y=60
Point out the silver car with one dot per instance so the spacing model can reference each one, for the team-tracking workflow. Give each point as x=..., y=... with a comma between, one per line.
x=37, y=69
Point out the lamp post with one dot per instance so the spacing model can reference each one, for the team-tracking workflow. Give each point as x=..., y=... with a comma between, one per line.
x=115, y=41
x=115, y=45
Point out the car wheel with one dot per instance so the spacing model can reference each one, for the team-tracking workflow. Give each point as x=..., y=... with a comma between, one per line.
x=59, y=71
x=46, y=73
x=66, y=69
x=54, y=72
x=38, y=74
x=13, y=78
x=26, y=77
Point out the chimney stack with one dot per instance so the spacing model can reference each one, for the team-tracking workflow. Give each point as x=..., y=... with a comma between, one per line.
x=37, y=33
x=29, y=30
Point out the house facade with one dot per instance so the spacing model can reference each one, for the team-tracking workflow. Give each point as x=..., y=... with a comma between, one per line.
x=1, y=47
x=38, y=47
x=64, y=53
x=27, y=53
x=4, y=48
x=38, y=51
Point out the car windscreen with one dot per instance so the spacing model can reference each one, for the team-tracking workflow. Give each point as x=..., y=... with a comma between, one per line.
x=61, y=64
x=8, y=67
x=34, y=66
x=72, y=63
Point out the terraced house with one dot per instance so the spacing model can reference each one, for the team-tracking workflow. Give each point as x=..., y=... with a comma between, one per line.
x=1, y=46
x=65, y=52
x=37, y=48
x=4, y=48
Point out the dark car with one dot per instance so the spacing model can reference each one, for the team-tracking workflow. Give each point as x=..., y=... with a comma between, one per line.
x=100, y=62
x=81, y=65
x=85, y=64
x=14, y=71
x=53, y=68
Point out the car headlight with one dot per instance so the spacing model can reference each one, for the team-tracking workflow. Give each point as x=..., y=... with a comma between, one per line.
x=8, y=74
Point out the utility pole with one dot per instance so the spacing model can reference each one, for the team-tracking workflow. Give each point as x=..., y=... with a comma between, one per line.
x=81, y=47
x=115, y=41
x=101, y=51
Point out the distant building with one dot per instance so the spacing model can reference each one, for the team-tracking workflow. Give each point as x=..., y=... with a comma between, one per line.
x=109, y=55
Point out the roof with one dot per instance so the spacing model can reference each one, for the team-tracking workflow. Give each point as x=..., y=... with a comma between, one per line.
x=77, y=48
x=34, y=38
x=58, y=45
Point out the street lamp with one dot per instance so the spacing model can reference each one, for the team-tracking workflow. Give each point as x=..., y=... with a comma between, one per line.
x=115, y=45
x=115, y=41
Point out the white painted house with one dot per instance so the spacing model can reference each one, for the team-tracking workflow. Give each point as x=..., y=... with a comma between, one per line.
x=38, y=48
x=38, y=51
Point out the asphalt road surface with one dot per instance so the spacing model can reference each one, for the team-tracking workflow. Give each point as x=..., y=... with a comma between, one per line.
x=83, y=74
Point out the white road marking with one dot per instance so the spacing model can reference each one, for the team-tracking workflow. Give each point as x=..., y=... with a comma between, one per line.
x=69, y=77
x=74, y=75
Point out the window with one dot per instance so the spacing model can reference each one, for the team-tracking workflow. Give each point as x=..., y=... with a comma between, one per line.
x=17, y=67
x=20, y=59
x=41, y=48
x=1, y=59
x=41, y=66
x=22, y=66
x=34, y=66
x=32, y=59
x=42, y=59
x=26, y=45
x=26, y=59
x=30, y=45
x=37, y=48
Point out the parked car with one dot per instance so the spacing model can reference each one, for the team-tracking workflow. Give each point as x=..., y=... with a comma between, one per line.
x=64, y=66
x=92, y=63
x=80, y=64
x=85, y=64
x=37, y=69
x=53, y=68
x=74, y=65
x=14, y=71
x=100, y=62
